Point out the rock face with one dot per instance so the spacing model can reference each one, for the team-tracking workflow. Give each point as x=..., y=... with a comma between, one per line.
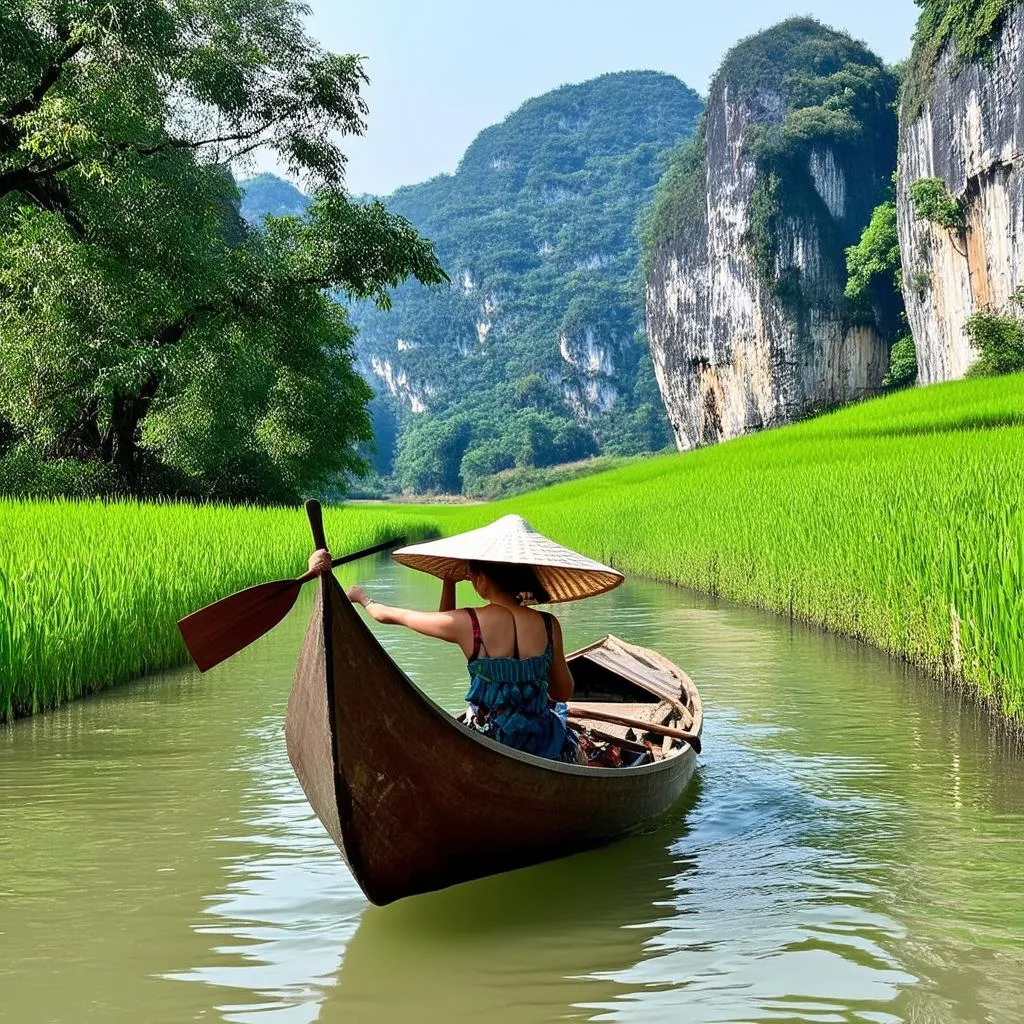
x=969, y=133
x=739, y=343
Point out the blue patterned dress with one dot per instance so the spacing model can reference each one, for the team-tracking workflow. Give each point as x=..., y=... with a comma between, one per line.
x=509, y=700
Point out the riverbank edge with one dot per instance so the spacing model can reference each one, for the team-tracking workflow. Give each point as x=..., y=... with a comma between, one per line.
x=941, y=674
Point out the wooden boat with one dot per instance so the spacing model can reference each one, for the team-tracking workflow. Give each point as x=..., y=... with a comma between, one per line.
x=417, y=801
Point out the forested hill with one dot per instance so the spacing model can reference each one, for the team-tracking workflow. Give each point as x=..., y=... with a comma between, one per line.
x=535, y=354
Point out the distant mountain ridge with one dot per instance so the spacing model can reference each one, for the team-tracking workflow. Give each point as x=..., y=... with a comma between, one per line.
x=266, y=194
x=534, y=355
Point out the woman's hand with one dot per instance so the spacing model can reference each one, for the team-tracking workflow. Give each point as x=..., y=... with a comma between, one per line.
x=320, y=561
x=357, y=595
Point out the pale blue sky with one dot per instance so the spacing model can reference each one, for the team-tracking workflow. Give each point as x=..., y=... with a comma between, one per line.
x=442, y=70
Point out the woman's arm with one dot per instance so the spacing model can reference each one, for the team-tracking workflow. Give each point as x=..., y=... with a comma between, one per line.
x=447, y=596
x=451, y=626
x=560, y=685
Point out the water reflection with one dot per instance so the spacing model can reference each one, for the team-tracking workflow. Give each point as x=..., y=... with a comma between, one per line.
x=534, y=945
x=850, y=850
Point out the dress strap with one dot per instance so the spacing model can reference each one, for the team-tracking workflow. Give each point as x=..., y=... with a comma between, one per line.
x=477, y=635
x=549, y=628
x=515, y=637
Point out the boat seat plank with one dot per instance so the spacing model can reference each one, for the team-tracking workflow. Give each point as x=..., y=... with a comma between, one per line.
x=655, y=712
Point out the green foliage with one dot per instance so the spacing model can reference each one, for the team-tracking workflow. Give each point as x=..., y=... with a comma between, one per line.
x=999, y=338
x=483, y=461
x=510, y=482
x=764, y=210
x=536, y=230
x=452, y=453
x=680, y=199
x=24, y=472
x=932, y=201
x=430, y=454
x=874, y=285
x=902, y=371
x=970, y=27
x=875, y=258
x=104, y=611
x=143, y=328
x=267, y=194
x=838, y=98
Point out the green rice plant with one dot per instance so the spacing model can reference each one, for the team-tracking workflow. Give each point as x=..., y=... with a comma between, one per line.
x=898, y=521
x=90, y=593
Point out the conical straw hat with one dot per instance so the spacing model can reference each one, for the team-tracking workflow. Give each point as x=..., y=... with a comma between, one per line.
x=564, y=574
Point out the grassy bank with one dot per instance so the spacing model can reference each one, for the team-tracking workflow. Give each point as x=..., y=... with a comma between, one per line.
x=90, y=593
x=899, y=521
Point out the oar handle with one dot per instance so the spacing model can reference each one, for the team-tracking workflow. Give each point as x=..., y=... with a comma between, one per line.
x=386, y=545
x=316, y=523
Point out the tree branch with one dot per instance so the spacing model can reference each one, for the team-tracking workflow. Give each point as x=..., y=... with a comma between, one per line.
x=24, y=178
x=46, y=81
x=52, y=196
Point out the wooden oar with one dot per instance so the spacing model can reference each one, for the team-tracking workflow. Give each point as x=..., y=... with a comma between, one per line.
x=223, y=628
x=581, y=714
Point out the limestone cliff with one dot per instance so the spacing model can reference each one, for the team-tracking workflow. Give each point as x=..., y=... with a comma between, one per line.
x=968, y=130
x=745, y=311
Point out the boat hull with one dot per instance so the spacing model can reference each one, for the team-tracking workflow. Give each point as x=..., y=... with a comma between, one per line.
x=415, y=800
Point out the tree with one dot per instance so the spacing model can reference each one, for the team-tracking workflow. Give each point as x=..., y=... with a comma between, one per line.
x=998, y=335
x=874, y=287
x=430, y=454
x=143, y=325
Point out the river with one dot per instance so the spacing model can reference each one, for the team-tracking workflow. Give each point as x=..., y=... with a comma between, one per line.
x=851, y=849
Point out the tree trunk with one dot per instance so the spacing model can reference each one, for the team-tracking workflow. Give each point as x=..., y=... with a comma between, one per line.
x=120, y=445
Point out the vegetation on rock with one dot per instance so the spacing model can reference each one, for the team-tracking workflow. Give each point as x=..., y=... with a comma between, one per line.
x=970, y=27
x=874, y=290
x=837, y=98
x=151, y=344
x=999, y=338
x=902, y=371
x=932, y=201
x=266, y=195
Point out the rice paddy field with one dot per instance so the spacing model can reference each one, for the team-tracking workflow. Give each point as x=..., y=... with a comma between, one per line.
x=90, y=593
x=898, y=521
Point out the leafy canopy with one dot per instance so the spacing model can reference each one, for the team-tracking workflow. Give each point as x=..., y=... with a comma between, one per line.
x=143, y=326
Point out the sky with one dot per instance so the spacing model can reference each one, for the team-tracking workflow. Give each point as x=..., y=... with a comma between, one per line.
x=440, y=72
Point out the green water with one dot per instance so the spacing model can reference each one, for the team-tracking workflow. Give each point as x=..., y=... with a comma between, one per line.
x=851, y=849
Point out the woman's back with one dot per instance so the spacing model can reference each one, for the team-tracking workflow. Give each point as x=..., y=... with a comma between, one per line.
x=508, y=633
x=508, y=693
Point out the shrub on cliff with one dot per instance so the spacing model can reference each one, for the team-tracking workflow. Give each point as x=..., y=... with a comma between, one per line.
x=969, y=26
x=902, y=365
x=932, y=201
x=999, y=337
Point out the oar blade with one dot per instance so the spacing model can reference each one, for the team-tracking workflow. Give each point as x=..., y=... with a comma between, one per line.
x=223, y=628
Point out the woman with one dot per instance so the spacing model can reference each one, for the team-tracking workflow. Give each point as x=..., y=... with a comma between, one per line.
x=519, y=679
